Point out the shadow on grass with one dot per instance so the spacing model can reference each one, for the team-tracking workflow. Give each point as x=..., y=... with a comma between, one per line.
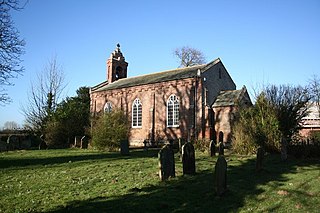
x=66, y=157
x=195, y=193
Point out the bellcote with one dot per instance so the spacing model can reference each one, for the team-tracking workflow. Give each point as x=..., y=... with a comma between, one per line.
x=116, y=66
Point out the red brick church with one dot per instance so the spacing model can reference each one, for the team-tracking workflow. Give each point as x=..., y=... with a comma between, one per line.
x=196, y=102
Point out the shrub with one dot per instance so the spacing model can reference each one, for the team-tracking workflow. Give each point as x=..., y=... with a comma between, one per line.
x=56, y=136
x=109, y=129
x=201, y=145
x=257, y=126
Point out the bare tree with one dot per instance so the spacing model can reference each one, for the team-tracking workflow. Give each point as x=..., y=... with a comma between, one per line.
x=290, y=104
x=11, y=47
x=44, y=95
x=10, y=125
x=314, y=87
x=189, y=56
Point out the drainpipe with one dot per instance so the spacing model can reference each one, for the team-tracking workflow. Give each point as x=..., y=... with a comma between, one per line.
x=197, y=77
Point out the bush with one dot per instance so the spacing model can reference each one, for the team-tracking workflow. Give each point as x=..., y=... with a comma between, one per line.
x=201, y=145
x=56, y=136
x=257, y=126
x=109, y=129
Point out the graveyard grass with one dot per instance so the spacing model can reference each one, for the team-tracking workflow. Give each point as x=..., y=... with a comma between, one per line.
x=74, y=180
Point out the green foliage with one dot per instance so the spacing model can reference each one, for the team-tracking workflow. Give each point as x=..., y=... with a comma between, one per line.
x=70, y=119
x=315, y=136
x=201, y=145
x=257, y=126
x=277, y=113
x=55, y=135
x=109, y=129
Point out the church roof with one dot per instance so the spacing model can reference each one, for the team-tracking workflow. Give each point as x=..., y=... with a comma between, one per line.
x=169, y=75
x=232, y=97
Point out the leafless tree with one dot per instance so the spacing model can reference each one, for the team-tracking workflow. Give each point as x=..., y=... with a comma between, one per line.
x=10, y=125
x=11, y=47
x=189, y=56
x=314, y=88
x=44, y=95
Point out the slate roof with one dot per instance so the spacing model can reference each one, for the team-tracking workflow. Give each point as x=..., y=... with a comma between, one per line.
x=231, y=97
x=176, y=74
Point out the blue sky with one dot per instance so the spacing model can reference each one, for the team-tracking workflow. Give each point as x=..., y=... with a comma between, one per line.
x=259, y=42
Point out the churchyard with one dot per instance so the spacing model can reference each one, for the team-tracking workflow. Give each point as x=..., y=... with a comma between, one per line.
x=76, y=180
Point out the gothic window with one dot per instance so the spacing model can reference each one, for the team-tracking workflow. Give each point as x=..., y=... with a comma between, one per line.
x=107, y=107
x=136, y=113
x=173, y=111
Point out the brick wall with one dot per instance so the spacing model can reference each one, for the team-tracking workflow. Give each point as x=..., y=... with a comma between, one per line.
x=154, y=100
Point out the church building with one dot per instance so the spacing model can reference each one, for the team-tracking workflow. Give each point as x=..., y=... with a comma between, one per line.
x=191, y=103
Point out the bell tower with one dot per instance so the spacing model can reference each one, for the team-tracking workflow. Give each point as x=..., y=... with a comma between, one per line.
x=116, y=66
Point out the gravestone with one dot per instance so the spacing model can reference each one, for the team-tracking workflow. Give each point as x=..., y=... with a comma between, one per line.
x=77, y=141
x=221, y=148
x=212, y=148
x=145, y=145
x=124, y=147
x=181, y=142
x=220, y=176
x=42, y=144
x=84, y=142
x=188, y=159
x=166, y=162
x=260, y=157
x=13, y=142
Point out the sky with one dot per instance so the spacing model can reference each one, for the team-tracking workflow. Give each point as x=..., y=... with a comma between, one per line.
x=259, y=42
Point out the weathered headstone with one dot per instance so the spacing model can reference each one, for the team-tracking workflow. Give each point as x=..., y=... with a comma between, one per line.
x=221, y=148
x=13, y=142
x=220, y=176
x=188, y=159
x=43, y=144
x=181, y=142
x=212, y=148
x=124, y=147
x=166, y=162
x=84, y=142
x=145, y=145
x=77, y=141
x=260, y=157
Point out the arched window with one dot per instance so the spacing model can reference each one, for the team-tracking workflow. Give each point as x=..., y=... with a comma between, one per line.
x=173, y=111
x=107, y=107
x=136, y=113
x=118, y=73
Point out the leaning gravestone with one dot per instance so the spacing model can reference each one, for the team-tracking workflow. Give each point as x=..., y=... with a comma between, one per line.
x=260, y=157
x=220, y=176
x=166, y=162
x=221, y=148
x=212, y=148
x=124, y=147
x=188, y=159
x=84, y=142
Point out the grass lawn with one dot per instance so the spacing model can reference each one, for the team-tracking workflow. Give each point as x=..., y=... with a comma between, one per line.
x=74, y=180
